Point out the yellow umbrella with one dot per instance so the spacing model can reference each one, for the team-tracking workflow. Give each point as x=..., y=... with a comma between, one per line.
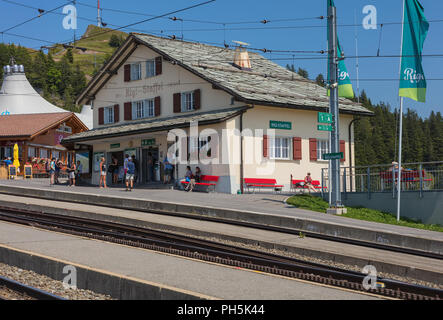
x=16, y=163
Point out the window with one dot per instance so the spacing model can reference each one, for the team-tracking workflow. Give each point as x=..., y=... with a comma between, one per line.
x=136, y=71
x=187, y=101
x=280, y=148
x=322, y=147
x=44, y=153
x=150, y=68
x=31, y=152
x=56, y=154
x=108, y=115
x=143, y=109
x=64, y=128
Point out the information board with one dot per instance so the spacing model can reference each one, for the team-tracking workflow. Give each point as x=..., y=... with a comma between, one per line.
x=12, y=171
x=28, y=171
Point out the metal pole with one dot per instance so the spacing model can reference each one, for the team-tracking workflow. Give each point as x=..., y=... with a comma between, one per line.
x=333, y=105
x=399, y=160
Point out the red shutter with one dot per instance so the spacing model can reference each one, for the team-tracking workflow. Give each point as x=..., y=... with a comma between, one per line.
x=116, y=113
x=128, y=111
x=265, y=146
x=157, y=106
x=296, y=148
x=177, y=102
x=313, y=149
x=197, y=99
x=101, y=115
x=158, y=66
x=342, y=149
x=127, y=69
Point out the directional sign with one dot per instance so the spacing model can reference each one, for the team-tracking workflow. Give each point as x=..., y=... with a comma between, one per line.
x=332, y=156
x=324, y=117
x=324, y=127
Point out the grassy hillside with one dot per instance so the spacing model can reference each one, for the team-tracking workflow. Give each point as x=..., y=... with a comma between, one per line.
x=96, y=41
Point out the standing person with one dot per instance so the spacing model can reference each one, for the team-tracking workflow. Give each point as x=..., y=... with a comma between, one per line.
x=308, y=182
x=71, y=173
x=135, y=162
x=130, y=174
x=168, y=171
x=58, y=167
x=52, y=171
x=102, y=173
x=125, y=165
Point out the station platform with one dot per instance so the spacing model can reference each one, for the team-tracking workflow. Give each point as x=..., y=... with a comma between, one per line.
x=165, y=276
x=261, y=208
x=110, y=205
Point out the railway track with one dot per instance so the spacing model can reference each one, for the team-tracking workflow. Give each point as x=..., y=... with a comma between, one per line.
x=13, y=290
x=218, y=253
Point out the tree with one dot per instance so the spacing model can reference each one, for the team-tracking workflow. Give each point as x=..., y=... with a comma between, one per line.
x=304, y=73
x=320, y=80
x=116, y=41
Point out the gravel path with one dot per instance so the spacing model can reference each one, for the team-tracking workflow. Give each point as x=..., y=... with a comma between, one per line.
x=47, y=284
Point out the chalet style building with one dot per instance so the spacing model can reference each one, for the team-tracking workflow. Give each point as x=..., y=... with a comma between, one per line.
x=153, y=86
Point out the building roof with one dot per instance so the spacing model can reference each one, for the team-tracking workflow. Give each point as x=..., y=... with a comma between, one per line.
x=145, y=126
x=267, y=83
x=17, y=96
x=26, y=126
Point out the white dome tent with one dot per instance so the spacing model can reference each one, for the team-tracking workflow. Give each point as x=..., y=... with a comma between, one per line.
x=17, y=96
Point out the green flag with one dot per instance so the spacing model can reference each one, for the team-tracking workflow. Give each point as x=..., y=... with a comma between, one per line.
x=415, y=29
x=344, y=83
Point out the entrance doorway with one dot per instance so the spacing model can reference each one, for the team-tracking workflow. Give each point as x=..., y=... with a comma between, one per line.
x=119, y=170
x=151, y=165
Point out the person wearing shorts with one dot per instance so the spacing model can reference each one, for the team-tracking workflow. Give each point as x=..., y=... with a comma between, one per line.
x=71, y=171
x=130, y=175
x=102, y=173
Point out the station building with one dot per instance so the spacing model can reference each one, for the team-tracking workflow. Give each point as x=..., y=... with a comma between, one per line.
x=33, y=123
x=263, y=116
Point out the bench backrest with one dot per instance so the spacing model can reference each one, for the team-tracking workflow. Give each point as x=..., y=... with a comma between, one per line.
x=260, y=181
x=209, y=178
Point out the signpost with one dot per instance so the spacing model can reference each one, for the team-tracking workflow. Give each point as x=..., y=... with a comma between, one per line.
x=324, y=127
x=324, y=117
x=12, y=171
x=27, y=171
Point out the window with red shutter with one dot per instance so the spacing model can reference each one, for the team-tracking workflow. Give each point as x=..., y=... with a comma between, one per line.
x=128, y=111
x=296, y=148
x=116, y=113
x=157, y=106
x=197, y=98
x=313, y=149
x=101, y=116
x=343, y=149
x=265, y=146
x=177, y=102
x=158, y=66
x=127, y=71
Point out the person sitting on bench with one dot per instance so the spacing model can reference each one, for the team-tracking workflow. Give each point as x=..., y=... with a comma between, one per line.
x=308, y=183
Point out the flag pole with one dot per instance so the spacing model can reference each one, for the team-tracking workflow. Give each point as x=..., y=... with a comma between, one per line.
x=400, y=135
x=399, y=159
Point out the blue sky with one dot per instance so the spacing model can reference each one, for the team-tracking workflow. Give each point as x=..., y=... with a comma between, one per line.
x=282, y=33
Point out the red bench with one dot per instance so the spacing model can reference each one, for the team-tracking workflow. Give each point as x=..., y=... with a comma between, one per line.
x=315, y=183
x=206, y=181
x=262, y=183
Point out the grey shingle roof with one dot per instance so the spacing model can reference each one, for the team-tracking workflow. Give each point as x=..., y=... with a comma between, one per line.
x=267, y=82
x=137, y=127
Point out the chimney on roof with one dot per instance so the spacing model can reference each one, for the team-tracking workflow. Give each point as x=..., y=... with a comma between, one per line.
x=241, y=56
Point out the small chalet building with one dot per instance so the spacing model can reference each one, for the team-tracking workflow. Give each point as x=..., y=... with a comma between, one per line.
x=152, y=85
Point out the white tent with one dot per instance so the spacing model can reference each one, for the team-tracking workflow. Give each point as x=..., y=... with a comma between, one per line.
x=17, y=96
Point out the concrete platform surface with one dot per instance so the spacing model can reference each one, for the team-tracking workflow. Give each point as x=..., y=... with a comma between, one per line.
x=404, y=265
x=260, y=208
x=202, y=278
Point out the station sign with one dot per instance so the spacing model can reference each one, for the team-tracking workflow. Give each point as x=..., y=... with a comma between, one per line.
x=115, y=145
x=332, y=156
x=148, y=142
x=280, y=125
x=324, y=127
x=324, y=117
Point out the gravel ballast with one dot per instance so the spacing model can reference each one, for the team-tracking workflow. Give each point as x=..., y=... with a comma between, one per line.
x=47, y=284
